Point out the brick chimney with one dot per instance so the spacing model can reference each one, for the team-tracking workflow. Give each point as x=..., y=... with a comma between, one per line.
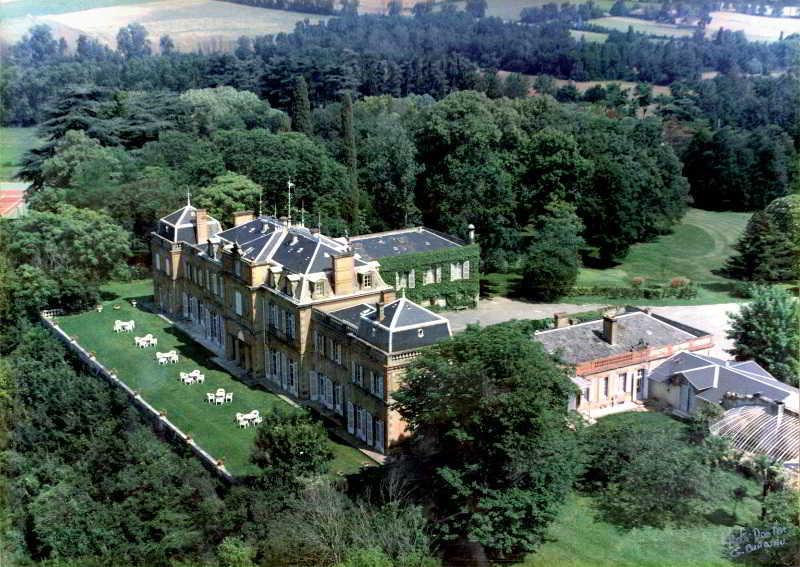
x=379, y=314
x=610, y=329
x=242, y=217
x=343, y=273
x=201, y=224
x=560, y=320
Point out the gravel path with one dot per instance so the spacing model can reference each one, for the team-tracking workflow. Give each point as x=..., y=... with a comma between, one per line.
x=711, y=318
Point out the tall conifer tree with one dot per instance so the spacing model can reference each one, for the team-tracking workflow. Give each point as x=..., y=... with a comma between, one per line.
x=300, y=107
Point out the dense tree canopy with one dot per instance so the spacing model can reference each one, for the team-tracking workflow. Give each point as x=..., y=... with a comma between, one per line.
x=769, y=249
x=494, y=448
x=767, y=330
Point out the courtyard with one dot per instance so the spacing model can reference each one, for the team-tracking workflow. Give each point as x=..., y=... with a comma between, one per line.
x=213, y=427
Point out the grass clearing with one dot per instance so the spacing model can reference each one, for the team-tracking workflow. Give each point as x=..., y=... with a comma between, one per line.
x=212, y=427
x=698, y=246
x=756, y=28
x=210, y=25
x=593, y=37
x=14, y=142
x=22, y=8
x=622, y=24
x=580, y=538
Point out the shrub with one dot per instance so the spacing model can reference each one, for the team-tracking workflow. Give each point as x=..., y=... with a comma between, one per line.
x=678, y=282
x=637, y=281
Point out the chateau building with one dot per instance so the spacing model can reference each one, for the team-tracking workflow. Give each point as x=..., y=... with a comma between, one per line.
x=308, y=315
x=614, y=356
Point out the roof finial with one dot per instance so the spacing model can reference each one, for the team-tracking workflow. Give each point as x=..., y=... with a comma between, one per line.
x=259, y=205
x=188, y=198
x=403, y=293
x=289, y=186
x=319, y=221
x=302, y=214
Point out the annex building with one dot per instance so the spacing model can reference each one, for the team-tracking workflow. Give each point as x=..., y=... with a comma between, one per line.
x=314, y=317
x=613, y=356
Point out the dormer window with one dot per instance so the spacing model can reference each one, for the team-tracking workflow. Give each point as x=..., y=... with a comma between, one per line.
x=317, y=289
x=366, y=280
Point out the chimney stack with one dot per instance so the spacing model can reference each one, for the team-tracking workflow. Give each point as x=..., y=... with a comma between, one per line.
x=471, y=229
x=561, y=320
x=201, y=225
x=242, y=217
x=379, y=314
x=780, y=414
x=210, y=249
x=343, y=273
x=610, y=329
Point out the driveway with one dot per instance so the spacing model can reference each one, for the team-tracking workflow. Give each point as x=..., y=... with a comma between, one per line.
x=710, y=318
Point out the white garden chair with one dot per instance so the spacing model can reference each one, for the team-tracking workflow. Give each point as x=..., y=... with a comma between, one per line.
x=210, y=398
x=229, y=397
x=258, y=420
x=200, y=378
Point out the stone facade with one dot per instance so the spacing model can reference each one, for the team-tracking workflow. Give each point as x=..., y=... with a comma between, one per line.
x=301, y=312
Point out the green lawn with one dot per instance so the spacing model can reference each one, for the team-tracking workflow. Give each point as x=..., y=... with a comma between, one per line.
x=212, y=427
x=699, y=245
x=579, y=538
x=643, y=26
x=21, y=8
x=510, y=9
x=594, y=37
x=13, y=143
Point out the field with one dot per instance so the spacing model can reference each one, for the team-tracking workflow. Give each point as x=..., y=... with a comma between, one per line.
x=21, y=8
x=578, y=538
x=192, y=24
x=756, y=28
x=642, y=26
x=211, y=426
x=13, y=143
x=698, y=245
x=595, y=37
x=583, y=86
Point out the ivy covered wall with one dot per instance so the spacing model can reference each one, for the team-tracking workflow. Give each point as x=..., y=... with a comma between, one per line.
x=459, y=293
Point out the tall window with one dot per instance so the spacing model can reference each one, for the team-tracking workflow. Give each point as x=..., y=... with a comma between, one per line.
x=622, y=382
x=168, y=266
x=290, y=331
x=237, y=303
x=605, y=387
x=237, y=267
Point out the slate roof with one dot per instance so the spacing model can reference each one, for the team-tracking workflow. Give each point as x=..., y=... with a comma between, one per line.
x=713, y=378
x=295, y=248
x=636, y=329
x=405, y=325
x=181, y=226
x=397, y=242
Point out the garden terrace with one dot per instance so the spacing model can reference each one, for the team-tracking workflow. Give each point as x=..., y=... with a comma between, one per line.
x=212, y=427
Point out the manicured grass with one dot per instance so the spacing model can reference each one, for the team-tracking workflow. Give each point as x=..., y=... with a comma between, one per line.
x=594, y=37
x=643, y=26
x=579, y=538
x=698, y=246
x=21, y=8
x=212, y=427
x=14, y=142
x=510, y=9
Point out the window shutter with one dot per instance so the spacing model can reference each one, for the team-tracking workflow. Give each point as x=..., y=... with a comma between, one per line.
x=370, y=432
x=379, y=434
x=350, y=418
x=312, y=385
x=283, y=370
x=438, y=274
x=353, y=374
x=338, y=398
x=466, y=270
x=328, y=392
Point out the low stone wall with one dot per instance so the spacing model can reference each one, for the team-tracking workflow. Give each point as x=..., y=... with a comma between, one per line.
x=159, y=421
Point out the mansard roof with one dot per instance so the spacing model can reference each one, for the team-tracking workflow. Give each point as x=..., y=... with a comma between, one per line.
x=405, y=241
x=181, y=226
x=404, y=325
x=295, y=248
